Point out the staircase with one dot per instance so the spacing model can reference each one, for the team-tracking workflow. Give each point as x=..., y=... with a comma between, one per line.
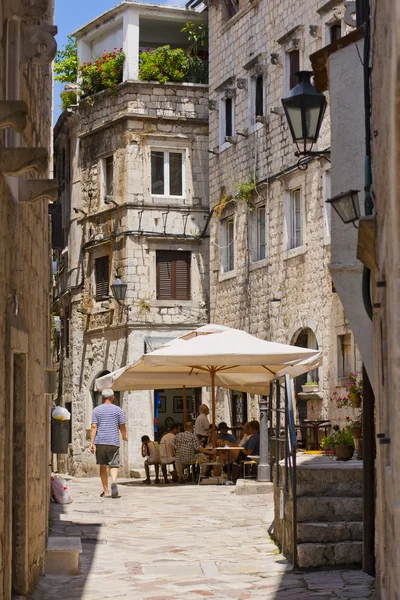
x=329, y=513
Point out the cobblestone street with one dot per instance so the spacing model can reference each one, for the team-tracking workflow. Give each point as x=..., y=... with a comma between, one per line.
x=191, y=542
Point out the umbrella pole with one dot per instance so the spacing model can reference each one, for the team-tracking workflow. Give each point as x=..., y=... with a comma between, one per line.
x=214, y=433
x=184, y=405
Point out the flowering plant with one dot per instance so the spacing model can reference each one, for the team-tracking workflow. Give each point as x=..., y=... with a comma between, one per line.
x=105, y=72
x=355, y=423
x=354, y=384
x=341, y=401
x=163, y=64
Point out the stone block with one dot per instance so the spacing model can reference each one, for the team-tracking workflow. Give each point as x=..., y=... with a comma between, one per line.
x=320, y=508
x=321, y=555
x=62, y=556
x=329, y=532
x=247, y=487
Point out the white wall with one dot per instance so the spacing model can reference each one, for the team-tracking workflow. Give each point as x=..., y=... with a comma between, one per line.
x=348, y=151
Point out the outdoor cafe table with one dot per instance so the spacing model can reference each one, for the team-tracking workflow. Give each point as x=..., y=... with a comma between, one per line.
x=228, y=448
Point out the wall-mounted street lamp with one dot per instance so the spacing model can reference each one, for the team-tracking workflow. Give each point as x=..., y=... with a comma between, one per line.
x=118, y=289
x=304, y=109
x=347, y=206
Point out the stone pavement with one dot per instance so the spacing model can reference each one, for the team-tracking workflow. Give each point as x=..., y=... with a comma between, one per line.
x=182, y=542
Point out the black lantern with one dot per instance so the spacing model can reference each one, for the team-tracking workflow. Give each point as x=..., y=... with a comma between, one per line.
x=304, y=109
x=347, y=206
x=118, y=288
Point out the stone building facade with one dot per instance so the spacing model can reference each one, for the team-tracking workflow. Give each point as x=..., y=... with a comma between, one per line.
x=26, y=51
x=384, y=262
x=113, y=152
x=270, y=232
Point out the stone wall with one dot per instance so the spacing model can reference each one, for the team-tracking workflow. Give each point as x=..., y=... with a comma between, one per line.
x=24, y=302
x=130, y=228
x=385, y=159
x=288, y=291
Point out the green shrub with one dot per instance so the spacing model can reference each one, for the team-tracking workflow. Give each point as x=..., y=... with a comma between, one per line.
x=67, y=99
x=343, y=437
x=163, y=64
x=103, y=73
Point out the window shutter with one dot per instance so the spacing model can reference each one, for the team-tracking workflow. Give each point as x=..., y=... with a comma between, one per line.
x=102, y=278
x=164, y=275
x=182, y=276
x=57, y=234
x=173, y=275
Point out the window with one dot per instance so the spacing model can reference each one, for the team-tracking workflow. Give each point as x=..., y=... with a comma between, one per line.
x=261, y=243
x=167, y=173
x=109, y=176
x=344, y=355
x=228, y=245
x=102, y=278
x=295, y=220
x=230, y=8
x=327, y=205
x=335, y=31
x=259, y=96
x=293, y=63
x=173, y=275
x=227, y=121
x=66, y=332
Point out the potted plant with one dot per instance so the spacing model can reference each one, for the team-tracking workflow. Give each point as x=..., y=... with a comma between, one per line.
x=341, y=442
x=357, y=428
x=310, y=386
x=354, y=389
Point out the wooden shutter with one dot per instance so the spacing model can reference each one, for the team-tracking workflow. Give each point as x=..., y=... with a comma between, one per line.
x=102, y=278
x=57, y=234
x=294, y=62
x=182, y=276
x=173, y=275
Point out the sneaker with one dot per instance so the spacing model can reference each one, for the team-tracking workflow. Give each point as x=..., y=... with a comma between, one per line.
x=157, y=481
x=114, y=490
x=147, y=481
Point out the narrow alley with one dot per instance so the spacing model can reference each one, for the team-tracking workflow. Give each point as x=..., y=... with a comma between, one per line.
x=175, y=542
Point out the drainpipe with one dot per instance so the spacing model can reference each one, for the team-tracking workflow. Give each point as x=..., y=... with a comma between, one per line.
x=263, y=471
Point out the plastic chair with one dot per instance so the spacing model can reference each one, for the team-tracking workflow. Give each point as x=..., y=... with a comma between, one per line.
x=201, y=464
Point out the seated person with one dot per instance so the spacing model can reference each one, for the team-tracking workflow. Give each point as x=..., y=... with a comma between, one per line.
x=186, y=448
x=246, y=434
x=224, y=436
x=250, y=448
x=151, y=454
x=167, y=452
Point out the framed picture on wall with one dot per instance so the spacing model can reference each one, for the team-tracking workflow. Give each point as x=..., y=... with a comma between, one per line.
x=178, y=404
x=163, y=404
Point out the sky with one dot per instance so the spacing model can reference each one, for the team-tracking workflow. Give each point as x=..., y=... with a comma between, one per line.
x=72, y=14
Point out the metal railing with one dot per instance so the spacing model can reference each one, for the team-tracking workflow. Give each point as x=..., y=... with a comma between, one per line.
x=284, y=432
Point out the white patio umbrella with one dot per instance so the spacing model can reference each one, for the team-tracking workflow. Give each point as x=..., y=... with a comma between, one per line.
x=214, y=355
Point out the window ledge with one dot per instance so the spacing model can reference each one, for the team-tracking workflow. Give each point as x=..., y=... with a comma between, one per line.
x=258, y=264
x=224, y=146
x=227, y=275
x=255, y=127
x=161, y=198
x=287, y=254
x=171, y=303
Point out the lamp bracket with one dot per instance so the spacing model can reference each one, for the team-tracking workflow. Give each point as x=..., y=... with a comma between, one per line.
x=302, y=163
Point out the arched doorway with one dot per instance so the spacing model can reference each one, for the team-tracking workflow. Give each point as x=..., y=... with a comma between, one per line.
x=96, y=396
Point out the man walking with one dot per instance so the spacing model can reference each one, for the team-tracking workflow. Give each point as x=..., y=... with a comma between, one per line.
x=107, y=421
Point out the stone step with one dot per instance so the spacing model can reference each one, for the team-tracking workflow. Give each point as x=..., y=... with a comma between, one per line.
x=330, y=480
x=322, y=532
x=330, y=509
x=62, y=555
x=329, y=555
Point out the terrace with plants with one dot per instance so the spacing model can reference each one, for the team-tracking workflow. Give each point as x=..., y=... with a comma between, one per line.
x=161, y=64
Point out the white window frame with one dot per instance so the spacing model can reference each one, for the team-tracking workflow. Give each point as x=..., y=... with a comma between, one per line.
x=223, y=144
x=227, y=245
x=103, y=172
x=329, y=21
x=291, y=219
x=256, y=227
x=341, y=377
x=167, y=152
x=327, y=208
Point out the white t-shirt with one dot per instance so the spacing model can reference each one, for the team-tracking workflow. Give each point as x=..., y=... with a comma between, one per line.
x=166, y=448
x=154, y=453
x=202, y=425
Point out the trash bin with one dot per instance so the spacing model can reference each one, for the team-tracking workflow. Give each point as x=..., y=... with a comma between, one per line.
x=60, y=436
